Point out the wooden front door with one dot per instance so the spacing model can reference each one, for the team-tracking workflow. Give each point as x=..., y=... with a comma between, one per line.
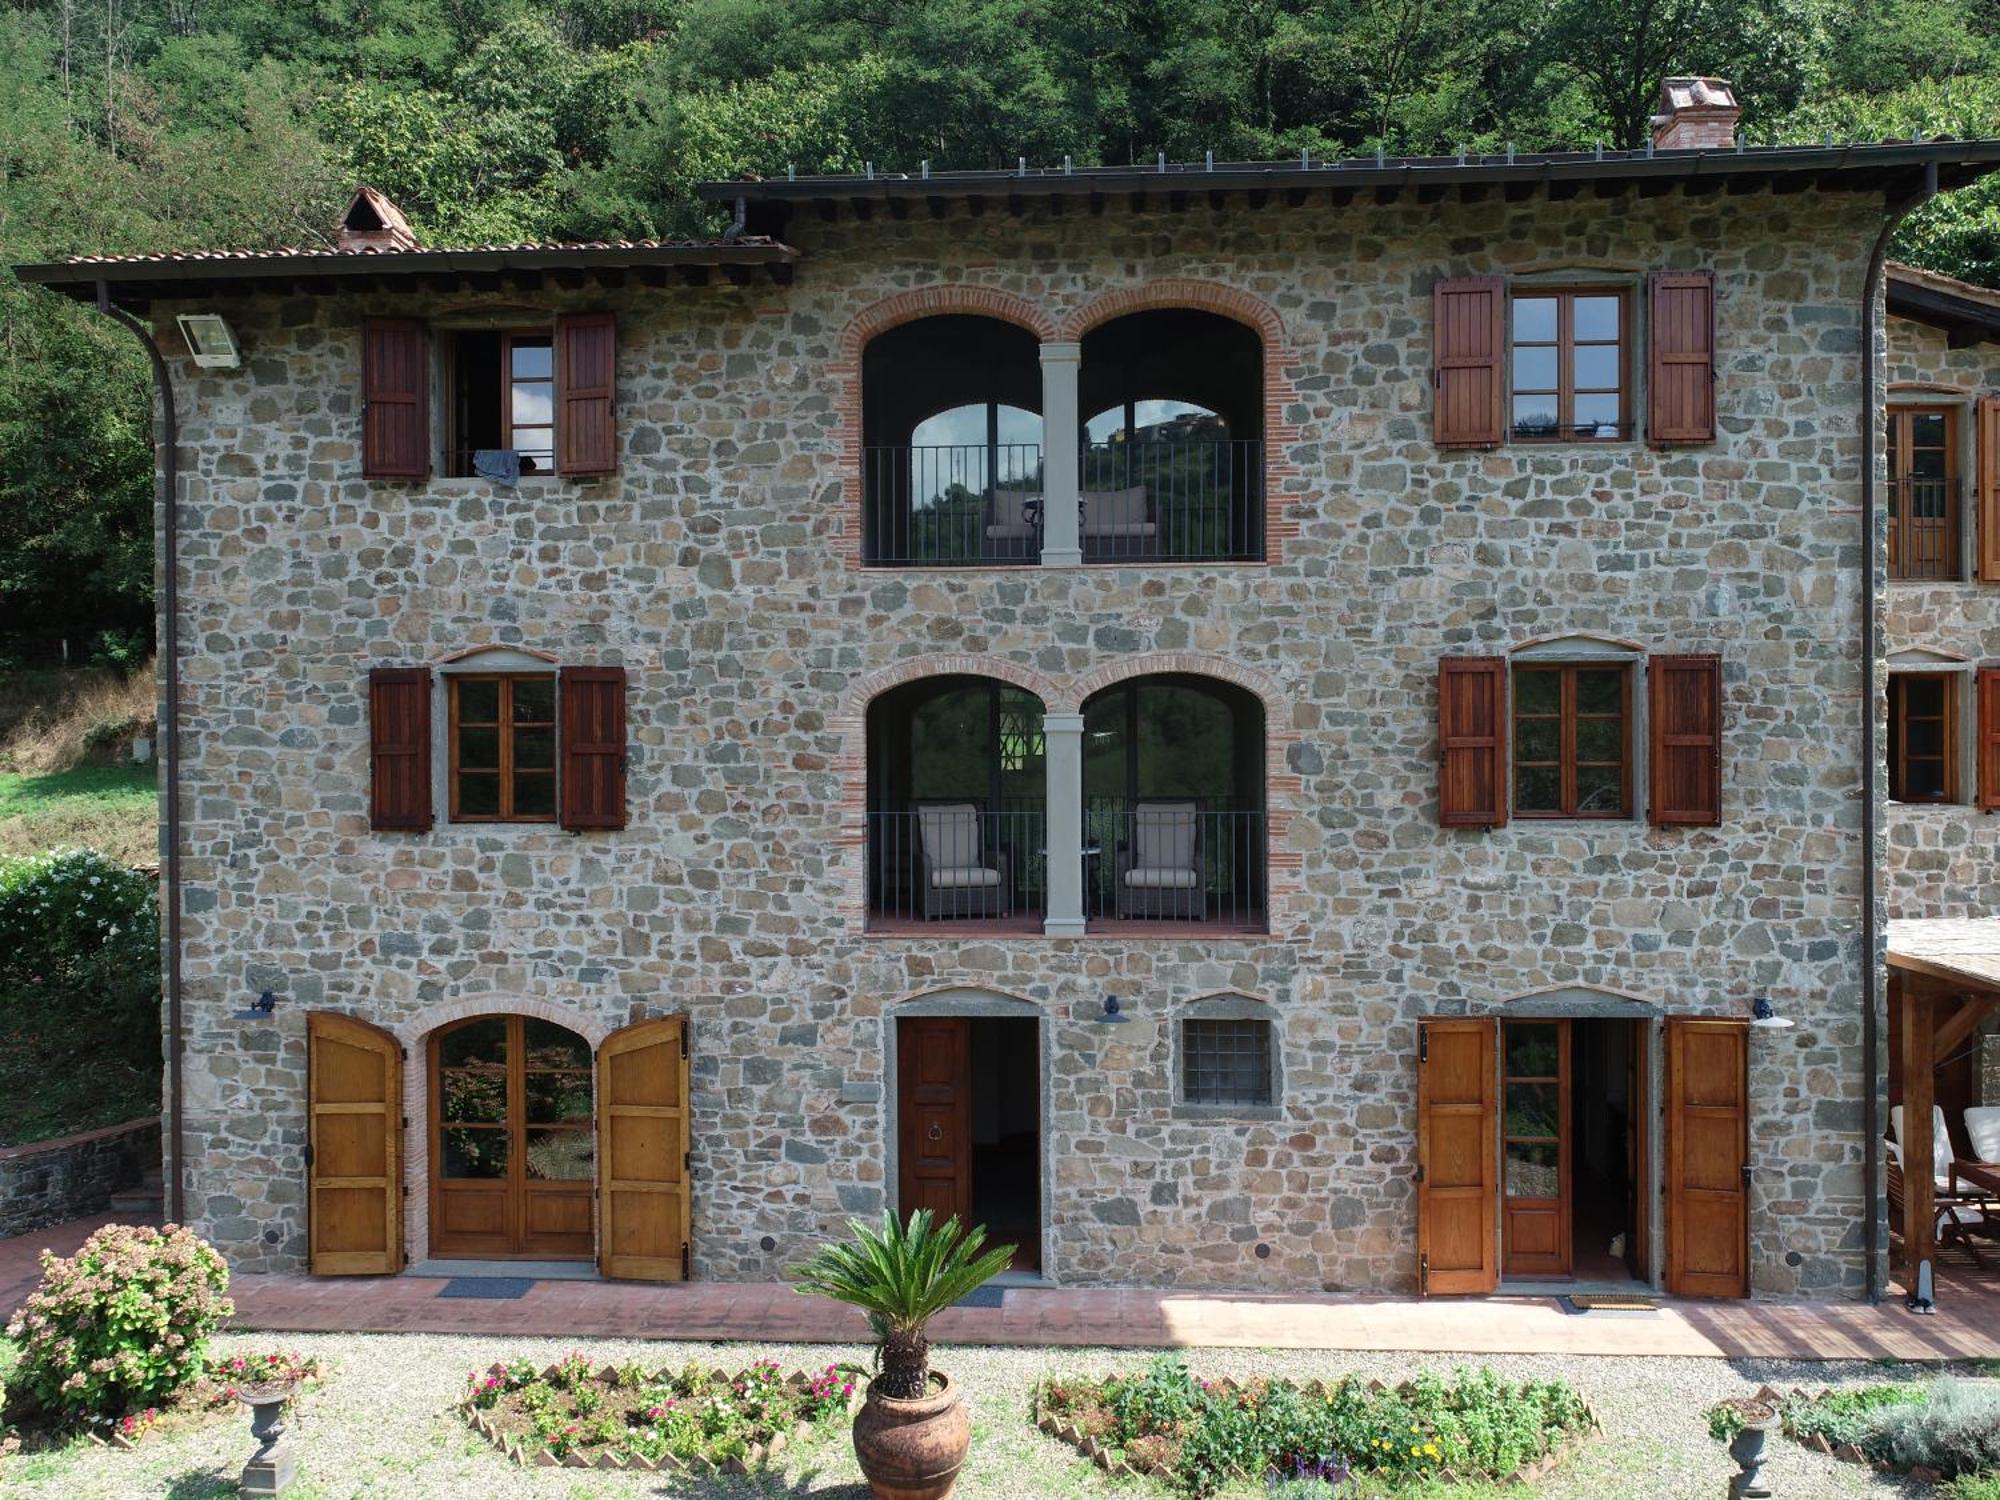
x=1457, y=1153
x=934, y=1115
x=354, y=1148
x=1535, y=1235
x=643, y=1122
x=513, y=1152
x=1707, y=1112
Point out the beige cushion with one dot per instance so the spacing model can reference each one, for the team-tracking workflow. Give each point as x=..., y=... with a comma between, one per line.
x=1162, y=880
x=1940, y=1140
x=963, y=878
x=1116, y=512
x=1007, y=517
x=951, y=834
x=1982, y=1123
x=1163, y=836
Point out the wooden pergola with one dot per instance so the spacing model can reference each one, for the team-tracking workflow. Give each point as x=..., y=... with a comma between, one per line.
x=1944, y=981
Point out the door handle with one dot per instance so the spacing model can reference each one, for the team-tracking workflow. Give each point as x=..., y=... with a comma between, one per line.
x=936, y=1133
x=1746, y=1174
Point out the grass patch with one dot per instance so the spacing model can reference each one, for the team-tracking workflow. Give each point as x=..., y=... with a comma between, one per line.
x=111, y=808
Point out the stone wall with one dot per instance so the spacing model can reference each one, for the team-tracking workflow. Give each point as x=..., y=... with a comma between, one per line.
x=47, y=1182
x=719, y=568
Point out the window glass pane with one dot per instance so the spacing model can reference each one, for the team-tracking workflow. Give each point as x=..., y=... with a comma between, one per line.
x=478, y=749
x=479, y=702
x=534, y=795
x=1537, y=789
x=1595, y=367
x=1596, y=416
x=1534, y=1169
x=1535, y=369
x=1600, y=739
x=470, y=1152
x=559, y=1155
x=1923, y=696
x=1923, y=781
x=479, y=796
x=476, y=1044
x=534, y=359
x=1226, y=1062
x=1927, y=429
x=534, y=406
x=534, y=700
x=551, y=1046
x=538, y=444
x=535, y=749
x=1538, y=739
x=1600, y=691
x=468, y=1097
x=1534, y=1109
x=1531, y=1050
x=1537, y=692
x=1535, y=416
x=1534, y=319
x=554, y=1097
x=1594, y=318
x=1600, y=789
x=1924, y=737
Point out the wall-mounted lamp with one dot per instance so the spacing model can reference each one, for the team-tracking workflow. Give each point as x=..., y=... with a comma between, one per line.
x=1766, y=1019
x=209, y=339
x=259, y=1009
x=1113, y=1015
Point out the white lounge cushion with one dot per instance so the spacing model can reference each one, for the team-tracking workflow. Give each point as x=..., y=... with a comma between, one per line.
x=1943, y=1182
x=951, y=834
x=1982, y=1124
x=1124, y=529
x=1162, y=880
x=1010, y=532
x=1116, y=512
x=1163, y=835
x=964, y=878
x=1940, y=1139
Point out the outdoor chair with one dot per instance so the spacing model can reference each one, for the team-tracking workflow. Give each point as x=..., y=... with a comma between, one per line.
x=1960, y=1221
x=1159, y=862
x=1982, y=1129
x=1118, y=523
x=1013, y=523
x=1941, y=1153
x=959, y=876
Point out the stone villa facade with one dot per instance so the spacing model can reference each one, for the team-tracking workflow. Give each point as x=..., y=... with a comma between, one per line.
x=781, y=628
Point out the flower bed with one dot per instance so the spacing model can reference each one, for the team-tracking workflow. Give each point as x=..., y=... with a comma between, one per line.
x=1933, y=1431
x=1200, y=1435
x=629, y=1418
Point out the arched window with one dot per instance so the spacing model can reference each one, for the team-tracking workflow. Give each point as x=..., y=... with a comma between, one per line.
x=952, y=443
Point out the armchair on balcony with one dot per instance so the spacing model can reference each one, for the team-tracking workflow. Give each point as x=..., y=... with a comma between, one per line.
x=1013, y=523
x=959, y=877
x=1159, y=862
x=1119, y=523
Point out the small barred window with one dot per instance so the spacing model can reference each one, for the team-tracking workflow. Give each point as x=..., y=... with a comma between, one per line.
x=1226, y=1062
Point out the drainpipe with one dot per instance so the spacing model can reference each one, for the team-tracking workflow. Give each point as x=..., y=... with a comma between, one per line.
x=170, y=733
x=1871, y=1110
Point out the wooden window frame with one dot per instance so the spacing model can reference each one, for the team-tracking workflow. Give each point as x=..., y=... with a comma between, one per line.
x=1565, y=346
x=1566, y=762
x=505, y=729
x=1896, y=450
x=1954, y=791
x=507, y=337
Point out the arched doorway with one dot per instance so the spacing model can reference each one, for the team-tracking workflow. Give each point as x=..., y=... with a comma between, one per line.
x=512, y=1140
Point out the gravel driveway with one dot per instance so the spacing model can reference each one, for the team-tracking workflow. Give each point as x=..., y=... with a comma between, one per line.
x=382, y=1426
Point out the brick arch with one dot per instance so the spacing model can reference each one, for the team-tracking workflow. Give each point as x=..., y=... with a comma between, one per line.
x=1258, y=684
x=1179, y=292
x=865, y=690
x=973, y=996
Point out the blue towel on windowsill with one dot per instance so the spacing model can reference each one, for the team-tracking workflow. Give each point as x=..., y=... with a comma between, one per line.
x=501, y=465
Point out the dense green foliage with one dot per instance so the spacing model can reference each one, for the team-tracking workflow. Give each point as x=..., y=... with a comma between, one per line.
x=1949, y=1427
x=153, y=124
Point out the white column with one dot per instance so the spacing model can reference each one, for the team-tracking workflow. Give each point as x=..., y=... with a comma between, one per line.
x=1060, y=488
x=1062, y=760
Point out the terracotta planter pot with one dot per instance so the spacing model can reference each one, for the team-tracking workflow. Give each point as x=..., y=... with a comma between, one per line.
x=913, y=1450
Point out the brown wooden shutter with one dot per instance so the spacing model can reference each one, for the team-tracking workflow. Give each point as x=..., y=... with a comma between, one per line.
x=399, y=740
x=1469, y=338
x=1472, y=724
x=354, y=1156
x=395, y=399
x=1680, y=389
x=586, y=393
x=1458, y=1155
x=1989, y=738
x=645, y=1203
x=1708, y=1157
x=1685, y=725
x=1986, y=477
x=593, y=747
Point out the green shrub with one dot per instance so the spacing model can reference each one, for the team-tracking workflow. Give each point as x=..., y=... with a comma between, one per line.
x=1955, y=1431
x=1973, y=1487
x=1847, y=1416
x=122, y=1324
x=73, y=919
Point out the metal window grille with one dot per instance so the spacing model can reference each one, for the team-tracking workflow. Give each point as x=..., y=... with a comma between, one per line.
x=1226, y=1062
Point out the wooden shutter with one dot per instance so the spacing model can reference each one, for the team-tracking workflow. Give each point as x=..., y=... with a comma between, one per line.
x=354, y=1141
x=1685, y=726
x=1458, y=1155
x=593, y=747
x=395, y=399
x=1472, y=724
x=399, y=742
x=586, y=393
x=644, y=1199
x=1468, y=347
x=1986, y=480
x=1708, y=1157
x=1680, y=389
x=934, y=1116
x=1989, y=738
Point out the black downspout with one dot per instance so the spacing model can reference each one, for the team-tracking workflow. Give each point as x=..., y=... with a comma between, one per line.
x=1871, y=1037
x=170, y=733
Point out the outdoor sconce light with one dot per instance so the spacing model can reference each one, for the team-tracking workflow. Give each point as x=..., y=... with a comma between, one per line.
x=209, y=340
x=1766, y=1019
x=259, y=1008
x=1113, y=1015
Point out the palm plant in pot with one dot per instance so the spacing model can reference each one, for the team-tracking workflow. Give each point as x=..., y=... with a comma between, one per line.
x=911, y=1434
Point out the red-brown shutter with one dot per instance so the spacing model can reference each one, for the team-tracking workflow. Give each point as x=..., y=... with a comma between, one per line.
x=1472, y=714
x=1685, y=695
x=395, y=399
x=1986, y=478
x=399, y=740
x=1469, y=337
x=586, y=381
x=593, y=747
x=1680, y=393
x=1989, y=737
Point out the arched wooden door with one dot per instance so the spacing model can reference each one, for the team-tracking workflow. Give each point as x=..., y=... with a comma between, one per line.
x=642, y=1112
x=513, y=1153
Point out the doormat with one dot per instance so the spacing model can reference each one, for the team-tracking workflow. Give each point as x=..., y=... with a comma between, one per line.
x=488, y=1288
x=985, y=1296
x=1616, y=1302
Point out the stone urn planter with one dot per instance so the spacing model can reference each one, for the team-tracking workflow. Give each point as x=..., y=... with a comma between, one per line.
x=271, y=1468
x=1745, y=1424
x=913, y=1450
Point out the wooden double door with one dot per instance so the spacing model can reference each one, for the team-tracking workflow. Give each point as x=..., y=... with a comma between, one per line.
x=1496, y=1154
x=537, y=1149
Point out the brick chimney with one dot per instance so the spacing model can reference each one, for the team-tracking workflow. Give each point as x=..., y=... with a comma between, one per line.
x=1696, y=114
x=372, y=222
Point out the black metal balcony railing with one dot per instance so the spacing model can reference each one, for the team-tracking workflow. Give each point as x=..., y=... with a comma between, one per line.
x=952, y=505
x=957, y=862
x=1175, y=860
x=1923, y=528
x=1173, y=499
